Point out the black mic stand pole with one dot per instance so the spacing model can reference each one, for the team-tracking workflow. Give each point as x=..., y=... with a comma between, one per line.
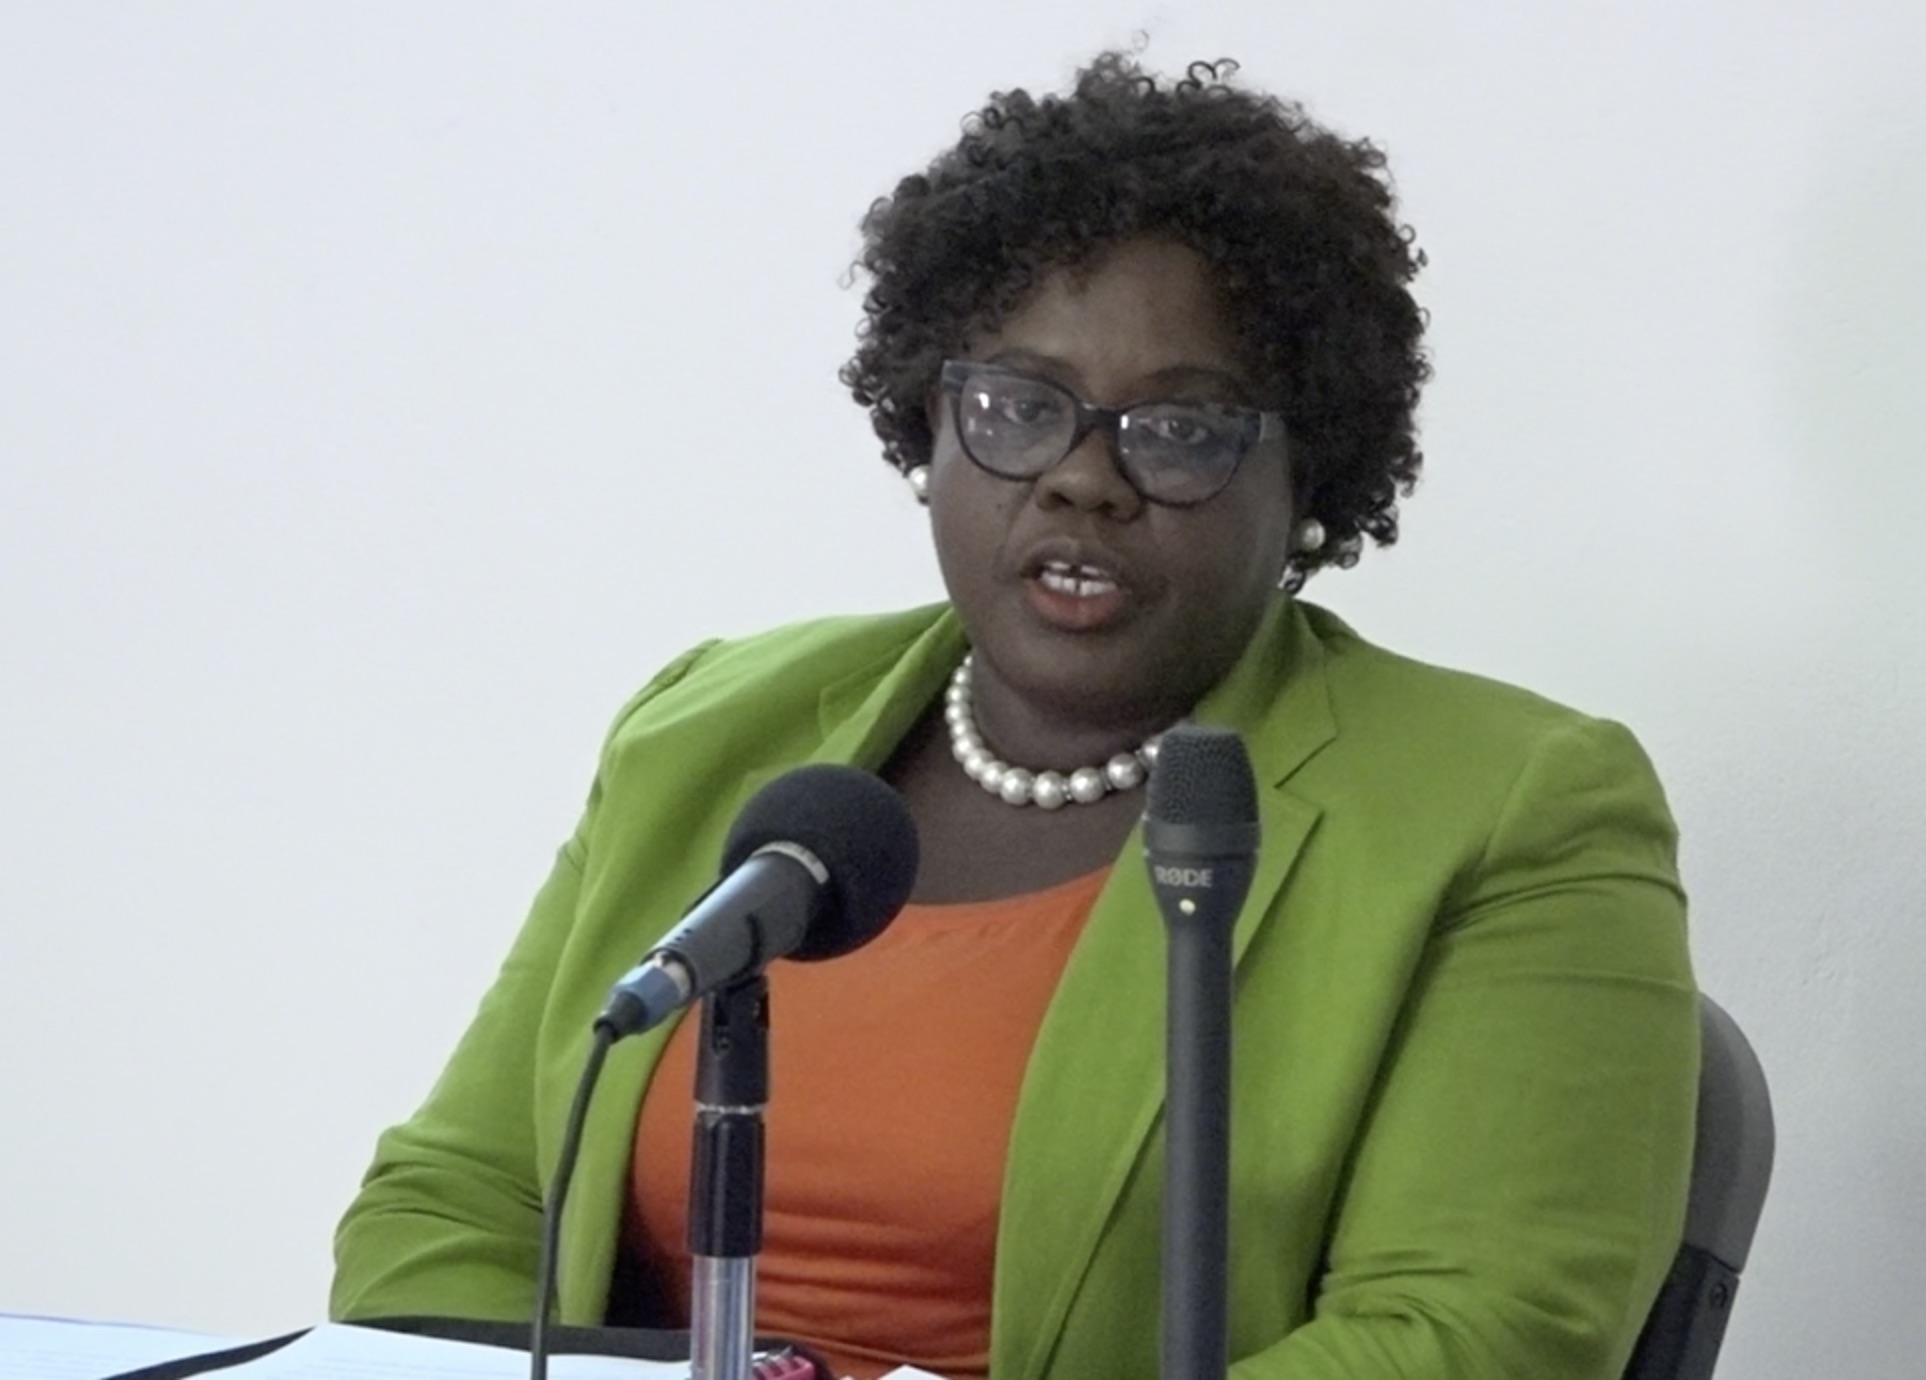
x=1197, y=1150
x=725, y=1180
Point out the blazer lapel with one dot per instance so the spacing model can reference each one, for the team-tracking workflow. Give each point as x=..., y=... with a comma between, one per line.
x=868, y=712
x=1094, y=1088
x=864, y=714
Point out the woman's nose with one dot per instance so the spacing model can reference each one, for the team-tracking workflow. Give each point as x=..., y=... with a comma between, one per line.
x=1089, y=477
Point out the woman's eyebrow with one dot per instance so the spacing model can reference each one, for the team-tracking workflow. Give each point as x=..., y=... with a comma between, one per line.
x=1172, y=376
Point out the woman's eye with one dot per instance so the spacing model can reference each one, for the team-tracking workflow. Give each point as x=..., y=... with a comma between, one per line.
x=1027, y=410
x=1180, y=428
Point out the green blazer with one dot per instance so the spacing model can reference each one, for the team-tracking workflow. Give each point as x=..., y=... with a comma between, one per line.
x=1465, y=1050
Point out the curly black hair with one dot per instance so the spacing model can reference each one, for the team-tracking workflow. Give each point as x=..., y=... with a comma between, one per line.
x=1297, y=223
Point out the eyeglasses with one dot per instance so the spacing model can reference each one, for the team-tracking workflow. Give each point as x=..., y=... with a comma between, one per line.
x=1018, y=426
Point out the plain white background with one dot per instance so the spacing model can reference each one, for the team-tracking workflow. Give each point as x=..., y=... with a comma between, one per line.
x=387, y=389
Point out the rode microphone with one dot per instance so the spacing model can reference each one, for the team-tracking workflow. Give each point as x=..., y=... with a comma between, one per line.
x=817, y=864
x=1200, y=839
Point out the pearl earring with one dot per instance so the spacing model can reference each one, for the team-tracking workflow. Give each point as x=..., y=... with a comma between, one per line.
x=918, y=478
x=1308, y=536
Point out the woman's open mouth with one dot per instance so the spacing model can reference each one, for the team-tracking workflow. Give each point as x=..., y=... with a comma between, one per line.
x=1074, y=596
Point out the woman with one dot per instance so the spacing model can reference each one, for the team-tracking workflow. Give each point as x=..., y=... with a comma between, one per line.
x=1148, y=354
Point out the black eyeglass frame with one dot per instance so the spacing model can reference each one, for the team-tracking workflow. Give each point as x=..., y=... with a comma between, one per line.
x=1254, y=427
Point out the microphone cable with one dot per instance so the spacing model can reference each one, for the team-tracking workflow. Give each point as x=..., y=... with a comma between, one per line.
x=545, y=1273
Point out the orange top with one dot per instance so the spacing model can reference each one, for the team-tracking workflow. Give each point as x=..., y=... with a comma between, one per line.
x=893, y=1082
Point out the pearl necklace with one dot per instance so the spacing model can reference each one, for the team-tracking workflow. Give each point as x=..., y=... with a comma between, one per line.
x=1048, y=790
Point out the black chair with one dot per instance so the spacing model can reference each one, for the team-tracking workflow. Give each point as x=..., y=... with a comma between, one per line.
x=1731, y=1166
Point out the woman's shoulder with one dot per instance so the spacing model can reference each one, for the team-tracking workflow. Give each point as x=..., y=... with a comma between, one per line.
x=1482, y=778
x=1432, y=730
x=783, y=668
x=1391, y=692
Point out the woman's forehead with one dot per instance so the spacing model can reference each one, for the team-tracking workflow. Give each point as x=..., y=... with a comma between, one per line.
x=1137, y=310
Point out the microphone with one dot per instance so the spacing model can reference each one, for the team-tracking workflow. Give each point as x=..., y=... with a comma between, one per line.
x=1200, y=825
x=817, y=863
x=1200, y=839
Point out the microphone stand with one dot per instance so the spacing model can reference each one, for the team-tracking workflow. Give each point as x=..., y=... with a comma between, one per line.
x=725, y=1181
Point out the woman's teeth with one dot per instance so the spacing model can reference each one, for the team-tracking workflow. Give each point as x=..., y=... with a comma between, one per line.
x=1082, y=581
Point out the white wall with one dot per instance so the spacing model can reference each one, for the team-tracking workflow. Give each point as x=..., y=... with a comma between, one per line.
x=386, y=389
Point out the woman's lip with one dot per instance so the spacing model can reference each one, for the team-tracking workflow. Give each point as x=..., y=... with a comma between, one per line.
x=1076, y=559
x=1076, y=611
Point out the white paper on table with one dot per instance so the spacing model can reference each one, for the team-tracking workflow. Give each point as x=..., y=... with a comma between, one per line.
x=67, y=1349
x=337, y=1351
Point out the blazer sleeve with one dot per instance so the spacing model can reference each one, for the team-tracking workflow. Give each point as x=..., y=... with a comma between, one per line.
x=1517, y=1190
x=448, y=1219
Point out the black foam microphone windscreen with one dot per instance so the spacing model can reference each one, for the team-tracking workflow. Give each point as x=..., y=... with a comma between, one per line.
x=817, y=863
x=858, y=828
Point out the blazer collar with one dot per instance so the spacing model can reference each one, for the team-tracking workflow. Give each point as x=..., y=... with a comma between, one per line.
x=1275, y=695
x=868, y=712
